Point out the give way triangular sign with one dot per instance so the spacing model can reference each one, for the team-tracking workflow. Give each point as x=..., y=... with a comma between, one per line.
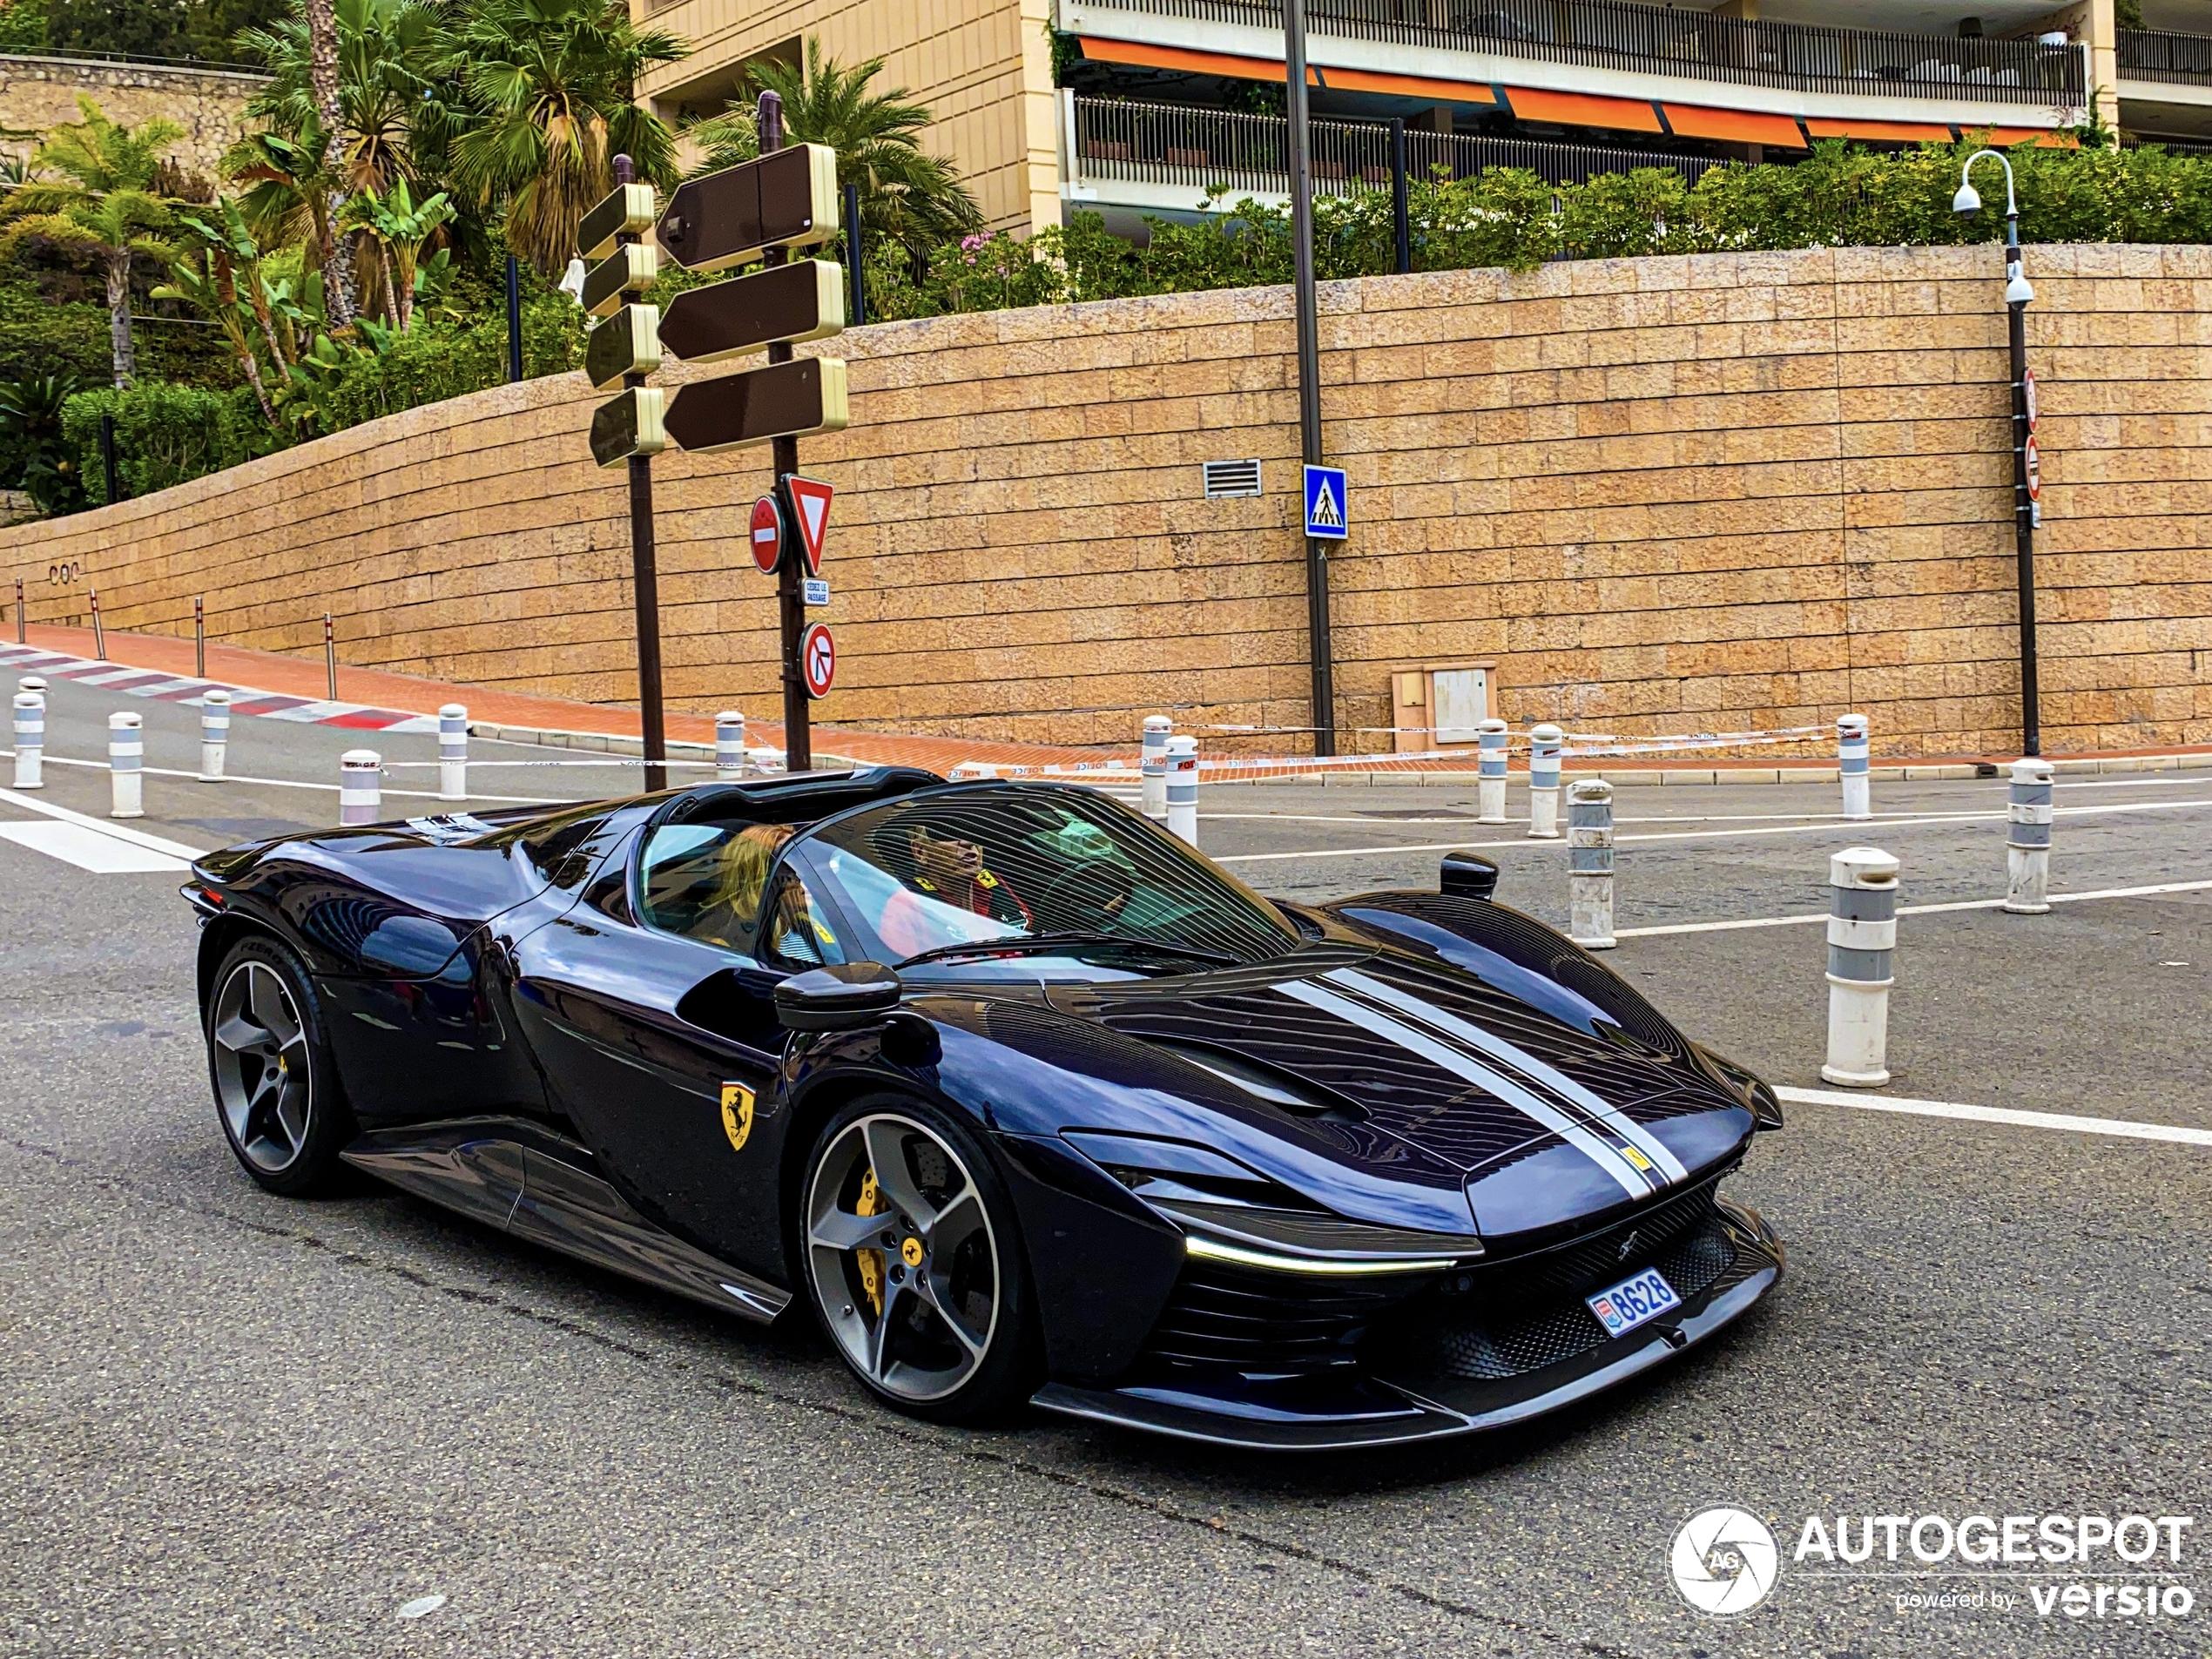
x=810, y=499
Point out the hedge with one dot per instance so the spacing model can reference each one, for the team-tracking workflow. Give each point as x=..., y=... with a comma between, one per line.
x=164, y=434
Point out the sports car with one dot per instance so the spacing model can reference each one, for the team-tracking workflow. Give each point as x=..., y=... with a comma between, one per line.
x=1022, y=1096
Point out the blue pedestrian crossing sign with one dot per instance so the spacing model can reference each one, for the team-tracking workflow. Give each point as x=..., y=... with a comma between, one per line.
x=1324, y=514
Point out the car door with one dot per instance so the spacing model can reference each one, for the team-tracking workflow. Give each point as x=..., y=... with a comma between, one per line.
x=663, y=1049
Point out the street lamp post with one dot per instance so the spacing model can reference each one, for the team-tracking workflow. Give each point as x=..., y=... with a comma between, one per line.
x=1309, y=375
x=2017, y=295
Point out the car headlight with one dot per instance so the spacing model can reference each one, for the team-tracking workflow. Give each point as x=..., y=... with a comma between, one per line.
x=1766, y=1111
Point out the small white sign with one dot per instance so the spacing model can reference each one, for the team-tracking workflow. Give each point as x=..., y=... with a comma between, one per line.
x=814, y=590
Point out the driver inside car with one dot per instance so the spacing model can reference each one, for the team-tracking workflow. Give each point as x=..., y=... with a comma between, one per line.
x=948, y=871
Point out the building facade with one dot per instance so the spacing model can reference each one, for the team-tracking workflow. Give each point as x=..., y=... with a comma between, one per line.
x=1131, y=107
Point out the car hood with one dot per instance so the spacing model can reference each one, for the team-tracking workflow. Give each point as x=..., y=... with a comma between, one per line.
x=1552, y=1125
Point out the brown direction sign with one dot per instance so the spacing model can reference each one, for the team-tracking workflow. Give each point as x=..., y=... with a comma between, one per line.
x=788, y=199
x=627, y=272
x=790, y=303
x=629, y=211
x=629, y=425
x=626, y=343
x=781, y=400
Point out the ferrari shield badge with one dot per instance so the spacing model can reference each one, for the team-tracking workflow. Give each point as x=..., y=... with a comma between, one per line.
x=737, y=1114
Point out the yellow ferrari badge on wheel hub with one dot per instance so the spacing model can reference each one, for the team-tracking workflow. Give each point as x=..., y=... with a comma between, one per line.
x=910, y=1252
x=737, y=1114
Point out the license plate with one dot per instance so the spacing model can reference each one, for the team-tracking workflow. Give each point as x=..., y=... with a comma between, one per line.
x=1630, y=1304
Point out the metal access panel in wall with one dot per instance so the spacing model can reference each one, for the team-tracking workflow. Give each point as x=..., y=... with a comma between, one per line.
x=1442, y=706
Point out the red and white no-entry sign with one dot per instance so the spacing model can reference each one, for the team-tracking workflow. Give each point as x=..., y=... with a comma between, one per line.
x=817, y=659
x=810, y=502
x=2027, y=397
x=2035, y=469
x=767, y=535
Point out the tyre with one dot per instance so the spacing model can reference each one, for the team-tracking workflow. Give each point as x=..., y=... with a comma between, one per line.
x=914, y=1263
x=269, y=1057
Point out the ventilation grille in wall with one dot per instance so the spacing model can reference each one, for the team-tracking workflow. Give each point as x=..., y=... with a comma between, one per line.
x=1232, y=478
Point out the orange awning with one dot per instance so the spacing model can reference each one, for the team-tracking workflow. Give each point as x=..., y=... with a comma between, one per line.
x=1366, y=80
x=1880, y=131
x=1736, y=126
x=1141, y=56
x=1584, y=110
x=2042, y=138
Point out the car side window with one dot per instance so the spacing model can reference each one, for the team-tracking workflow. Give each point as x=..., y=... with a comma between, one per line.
x=705, y=880
x=798, y=932
x=564, y=850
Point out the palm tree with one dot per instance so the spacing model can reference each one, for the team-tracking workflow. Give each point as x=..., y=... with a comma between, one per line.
x=104, y=204
x=906, y=195
x=400, y=227
x=551, y=86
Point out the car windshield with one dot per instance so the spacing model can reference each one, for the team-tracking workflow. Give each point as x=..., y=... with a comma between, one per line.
x=944, y=874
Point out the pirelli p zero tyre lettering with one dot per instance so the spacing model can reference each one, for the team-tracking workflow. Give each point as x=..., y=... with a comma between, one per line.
x=912, y=1257
x=277, y=1094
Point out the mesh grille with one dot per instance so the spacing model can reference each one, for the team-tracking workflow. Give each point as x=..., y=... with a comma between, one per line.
x=1263, y=1322
x=1601, y=1260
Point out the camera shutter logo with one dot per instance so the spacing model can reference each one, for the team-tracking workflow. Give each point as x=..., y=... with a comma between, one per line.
x=1725, y=1561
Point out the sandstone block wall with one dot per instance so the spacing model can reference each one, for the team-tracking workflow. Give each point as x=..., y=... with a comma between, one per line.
x=1712, y=493
x=38, y=94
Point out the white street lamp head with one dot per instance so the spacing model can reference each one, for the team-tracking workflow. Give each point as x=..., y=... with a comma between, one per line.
x=2017, y=291
x=1968, y=200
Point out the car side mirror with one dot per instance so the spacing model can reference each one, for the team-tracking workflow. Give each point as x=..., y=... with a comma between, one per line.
x=1468, y=875
x=849, y=997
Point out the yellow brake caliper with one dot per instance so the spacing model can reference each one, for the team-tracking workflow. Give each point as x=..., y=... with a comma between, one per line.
x=871, y=1261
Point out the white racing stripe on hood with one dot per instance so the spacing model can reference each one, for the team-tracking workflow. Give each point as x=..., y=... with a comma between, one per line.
x=1634, y=1182
x=1521, y=1060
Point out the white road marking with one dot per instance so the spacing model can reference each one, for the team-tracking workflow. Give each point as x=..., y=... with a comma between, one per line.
x=2119, y=1126
x=1809, y=917
x=89, y=849
x=295, y=783
x=120, y=832
x=1710, y=835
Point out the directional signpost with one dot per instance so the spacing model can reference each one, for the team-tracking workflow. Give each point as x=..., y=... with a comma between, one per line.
x=762, y=210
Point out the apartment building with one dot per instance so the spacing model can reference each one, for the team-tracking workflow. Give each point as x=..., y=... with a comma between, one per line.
x=1130, y=107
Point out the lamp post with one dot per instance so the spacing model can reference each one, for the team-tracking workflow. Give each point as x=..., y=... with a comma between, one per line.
x=1309, y=374
x=2017, y=295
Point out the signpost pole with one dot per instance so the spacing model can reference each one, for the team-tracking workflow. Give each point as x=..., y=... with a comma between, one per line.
x=644, y=578
x=790, y=605
x=1309, y=374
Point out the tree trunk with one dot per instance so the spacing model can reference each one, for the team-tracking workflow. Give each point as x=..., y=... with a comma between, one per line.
x=118, y=315
x=391, y=297
x=323, y=74
x=247, y=362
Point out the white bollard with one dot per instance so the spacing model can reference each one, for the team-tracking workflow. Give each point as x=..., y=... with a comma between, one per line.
x=215, y=735
x=2027, y=850
x=1862, y=936
x=126, y=755
x=359, y=786
x=1153, y=767
x=729, y=745
x=31, y=683
x=1590, y=864
x=1181, y=782
x=1544, y=743
x=30, y=740
x=1852, y=751
x=452, y=753
x=1490, y=772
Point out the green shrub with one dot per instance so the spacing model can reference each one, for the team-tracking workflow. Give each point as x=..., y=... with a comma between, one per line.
x=164, y=434
x=435, y=361
x=23, y=25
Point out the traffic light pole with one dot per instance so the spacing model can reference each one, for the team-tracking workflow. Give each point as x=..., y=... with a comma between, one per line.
x=791, y=600
x=645, y=580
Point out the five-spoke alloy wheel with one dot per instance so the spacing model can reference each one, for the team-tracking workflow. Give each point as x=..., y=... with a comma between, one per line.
x=274, y=1089
x=914, y=1261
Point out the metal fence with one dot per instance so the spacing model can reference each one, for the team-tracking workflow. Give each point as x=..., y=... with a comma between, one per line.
x=1608, y=34
x=1162, y=144
x=2148, y=56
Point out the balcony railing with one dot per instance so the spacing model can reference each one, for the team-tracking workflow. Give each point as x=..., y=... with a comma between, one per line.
x=1606, y=34
x=1249, y=155
x=2146, y=55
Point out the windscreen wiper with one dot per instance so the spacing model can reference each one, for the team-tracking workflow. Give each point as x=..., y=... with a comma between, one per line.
x=1025, y=944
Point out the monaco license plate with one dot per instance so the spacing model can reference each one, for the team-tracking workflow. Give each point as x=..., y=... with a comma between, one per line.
x=1634, y=1301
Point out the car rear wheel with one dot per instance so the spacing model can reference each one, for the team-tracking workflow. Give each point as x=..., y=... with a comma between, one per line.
x=915, y=1264
x=276, y=1091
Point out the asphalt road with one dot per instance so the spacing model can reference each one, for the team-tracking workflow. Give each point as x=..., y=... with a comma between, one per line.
x=235, y=1423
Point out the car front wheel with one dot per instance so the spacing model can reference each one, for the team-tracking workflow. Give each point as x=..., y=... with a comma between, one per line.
x=915, y=1264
